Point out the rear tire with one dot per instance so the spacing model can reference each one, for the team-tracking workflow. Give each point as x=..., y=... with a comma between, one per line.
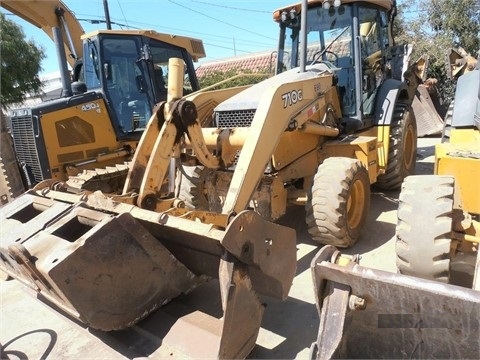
x=423, y=233
x=338, y=204
x=402, y=150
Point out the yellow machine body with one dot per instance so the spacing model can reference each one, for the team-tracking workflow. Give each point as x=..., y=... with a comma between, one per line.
x=461, y=157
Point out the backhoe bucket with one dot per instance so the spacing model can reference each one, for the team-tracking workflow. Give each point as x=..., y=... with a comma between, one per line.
x=367, y=313
x=110, y=265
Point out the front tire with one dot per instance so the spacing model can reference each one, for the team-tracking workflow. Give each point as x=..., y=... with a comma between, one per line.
x=423, y=232
x=338, y=204
x=402, y=150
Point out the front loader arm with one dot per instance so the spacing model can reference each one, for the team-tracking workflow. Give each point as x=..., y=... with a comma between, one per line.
x=286, y=107
x=160, y=140
x=158, y=162
x=181, y=117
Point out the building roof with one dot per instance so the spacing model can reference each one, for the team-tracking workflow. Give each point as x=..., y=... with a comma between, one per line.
x=258, y=62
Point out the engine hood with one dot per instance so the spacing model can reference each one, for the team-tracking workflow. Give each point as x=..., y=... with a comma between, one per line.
x=249, y=98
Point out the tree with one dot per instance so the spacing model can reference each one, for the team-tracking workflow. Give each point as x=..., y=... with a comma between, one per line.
x=459, y=20
x=434, y=26
x=20, y=64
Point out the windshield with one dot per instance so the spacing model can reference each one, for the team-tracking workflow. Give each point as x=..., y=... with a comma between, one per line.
x=126, y=88
x=329, y=40
x=135, y=73
x=327, y=30
x=329, y=35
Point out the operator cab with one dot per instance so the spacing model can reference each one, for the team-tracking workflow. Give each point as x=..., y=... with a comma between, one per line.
x=131, y=70
x=331, y=33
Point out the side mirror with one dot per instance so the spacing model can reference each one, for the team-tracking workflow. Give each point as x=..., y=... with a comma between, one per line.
x=79, y=87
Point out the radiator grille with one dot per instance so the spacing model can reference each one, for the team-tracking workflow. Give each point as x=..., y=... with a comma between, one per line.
x=24, y=143
x=232, y=119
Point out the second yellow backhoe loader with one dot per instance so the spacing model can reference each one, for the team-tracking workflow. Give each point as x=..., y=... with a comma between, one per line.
x=117, y=78
x=334, y=120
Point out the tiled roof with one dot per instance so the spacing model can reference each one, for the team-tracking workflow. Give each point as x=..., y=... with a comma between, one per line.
x=264, y=61
x=254, y=63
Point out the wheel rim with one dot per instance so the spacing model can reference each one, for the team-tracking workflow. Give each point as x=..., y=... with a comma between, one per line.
x=355, y=204
x=409, y=147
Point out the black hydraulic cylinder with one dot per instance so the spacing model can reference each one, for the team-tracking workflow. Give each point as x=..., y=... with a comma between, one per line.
x=62, y=62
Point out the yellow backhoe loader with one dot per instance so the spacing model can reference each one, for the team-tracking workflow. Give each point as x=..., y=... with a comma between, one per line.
x=117, y=78
x=334, y=119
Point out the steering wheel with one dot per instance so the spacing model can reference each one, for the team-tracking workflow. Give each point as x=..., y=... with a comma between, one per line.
x=316, y=56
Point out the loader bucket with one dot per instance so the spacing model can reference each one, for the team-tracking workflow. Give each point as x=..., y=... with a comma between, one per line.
x=91, y=264
x=110, y=265
x=367, y=313
x=428, y=120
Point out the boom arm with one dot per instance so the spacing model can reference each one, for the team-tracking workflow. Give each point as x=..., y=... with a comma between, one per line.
x=47, y=14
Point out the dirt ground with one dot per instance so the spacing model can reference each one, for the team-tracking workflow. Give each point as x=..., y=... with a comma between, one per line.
x=29, y=329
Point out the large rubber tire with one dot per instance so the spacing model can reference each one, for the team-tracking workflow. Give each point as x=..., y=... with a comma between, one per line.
x=192, y=187
x=424, y=225
x=402, y=149
x=338, y=204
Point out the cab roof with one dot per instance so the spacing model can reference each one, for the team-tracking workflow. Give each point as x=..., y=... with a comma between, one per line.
x=384, y=4
x=193, y=46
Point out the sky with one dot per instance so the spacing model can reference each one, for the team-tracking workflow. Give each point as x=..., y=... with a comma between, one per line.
x=227, y=28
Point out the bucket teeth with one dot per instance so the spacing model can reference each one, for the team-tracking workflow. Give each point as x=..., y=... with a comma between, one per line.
x=109, y=179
